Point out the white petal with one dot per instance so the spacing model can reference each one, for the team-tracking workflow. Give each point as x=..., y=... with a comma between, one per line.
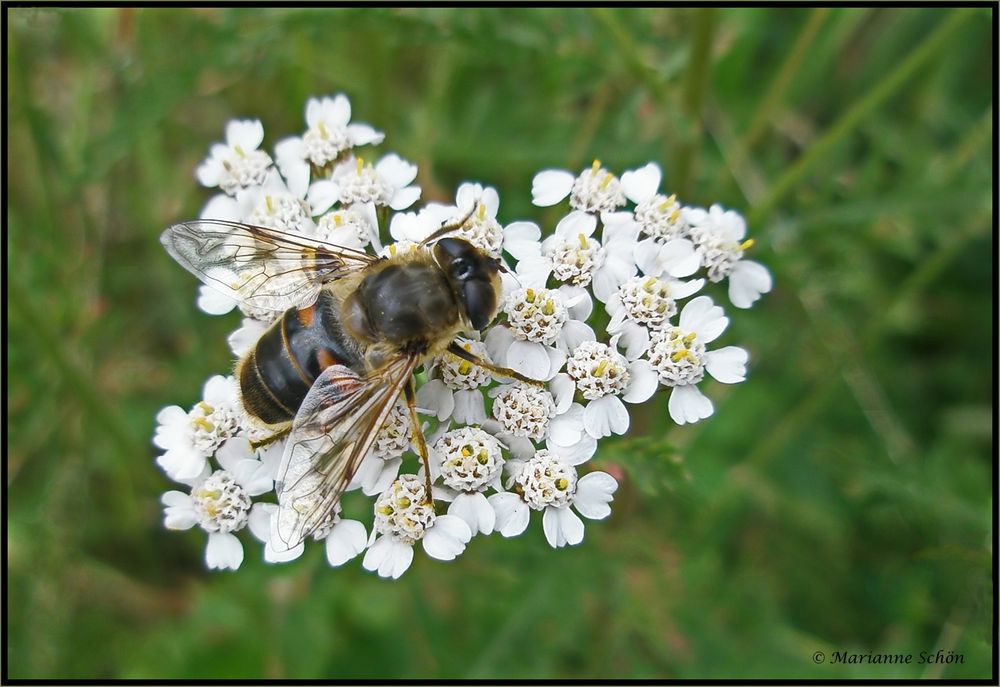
x=498, y=341
x=470, y=408
x=379, y=474
x=512, y=513
x=388, y=556
x=551, y=186
x=562, y=526
x=248, y=134
x=678, y=258
x=580, y=452
x=522, y=234
x=435, y=395
x=179, y=513
x=635, y=338
x=727, y=365
x=593, y=494
x=246, y=337
x=314, y=112
x=490, y=199
x=682, y=289
x=290, y=156
x=647, y=257
x=528, y=358
x=565, y=429
x=747, y=282
x=447, y=537
x=346, y=540
x=520, y=447
x=577, y=301
x=254, y=476
x=467, y=196
x=533, y=271
x=363, y=134
x=641, y=184
x=703, y=318
x=222, y=207
x=232, y=452
x=182, y=464
x=475, y=510
x=557, y=358
x=396, y=171
x=171, y=419
x=605, y=416
x=224, y=550
x=643, y=382
x=176, y=499
x=213, y=301
x=688, y=404
x=219, y=390
x=405, y=197
x=562, y=388
x=730, y=223
x=322, y=195
x=209, y=172
x=337, y=112
x=259, y=520
x=407, y=226
x=574, y=333
x=606, y=282
x=576, y=223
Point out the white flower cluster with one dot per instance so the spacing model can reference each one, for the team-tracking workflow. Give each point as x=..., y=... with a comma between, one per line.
x=498, y=448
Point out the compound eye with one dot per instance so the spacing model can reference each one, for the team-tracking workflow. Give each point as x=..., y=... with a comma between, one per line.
x=480, y=302
x=462, y=269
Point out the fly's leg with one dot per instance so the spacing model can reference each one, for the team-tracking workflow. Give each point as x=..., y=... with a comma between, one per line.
x=460, y=352
x=418, y=437
x=448, y=228
x=279, y=434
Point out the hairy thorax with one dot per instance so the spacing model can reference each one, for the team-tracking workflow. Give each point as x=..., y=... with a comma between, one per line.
x=402, y=306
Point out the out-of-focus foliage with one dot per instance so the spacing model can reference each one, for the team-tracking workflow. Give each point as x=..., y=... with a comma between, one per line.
x=838, y=501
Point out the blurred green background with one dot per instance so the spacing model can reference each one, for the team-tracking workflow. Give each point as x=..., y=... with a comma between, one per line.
x=838, y=501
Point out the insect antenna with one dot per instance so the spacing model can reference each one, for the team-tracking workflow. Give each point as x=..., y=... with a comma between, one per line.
x=448, y=228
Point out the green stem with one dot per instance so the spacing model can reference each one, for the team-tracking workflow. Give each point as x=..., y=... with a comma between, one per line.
x=775, y=92
x=626, y=46
x=874, y=98
x=695, y=84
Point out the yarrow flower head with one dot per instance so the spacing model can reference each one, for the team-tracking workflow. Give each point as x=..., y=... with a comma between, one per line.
x=594, y=190
x=188, y=439
x=719, y=234
x=403, y=516
x=681, y=359
x=598, y=311
x=523, y=410
x=386, y=183
x=455, y=392
x=330, y=135
x=548, y=484
x=659, y=215
x=237, y=164
x=604, y=377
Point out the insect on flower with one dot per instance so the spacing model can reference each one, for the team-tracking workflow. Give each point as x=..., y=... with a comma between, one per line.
x=328, y=372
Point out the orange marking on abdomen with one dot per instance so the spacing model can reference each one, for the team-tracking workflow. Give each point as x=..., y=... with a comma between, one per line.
x=325, y=359
x=306, y=316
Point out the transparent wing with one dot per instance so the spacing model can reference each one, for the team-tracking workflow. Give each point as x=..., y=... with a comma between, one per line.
x=265, y=268
x=331, y=434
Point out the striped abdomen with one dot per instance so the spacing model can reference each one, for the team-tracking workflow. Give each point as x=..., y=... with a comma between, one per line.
x=279, y=371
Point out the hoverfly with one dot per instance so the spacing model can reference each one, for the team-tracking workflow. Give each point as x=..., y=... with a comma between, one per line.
x=330, y=369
